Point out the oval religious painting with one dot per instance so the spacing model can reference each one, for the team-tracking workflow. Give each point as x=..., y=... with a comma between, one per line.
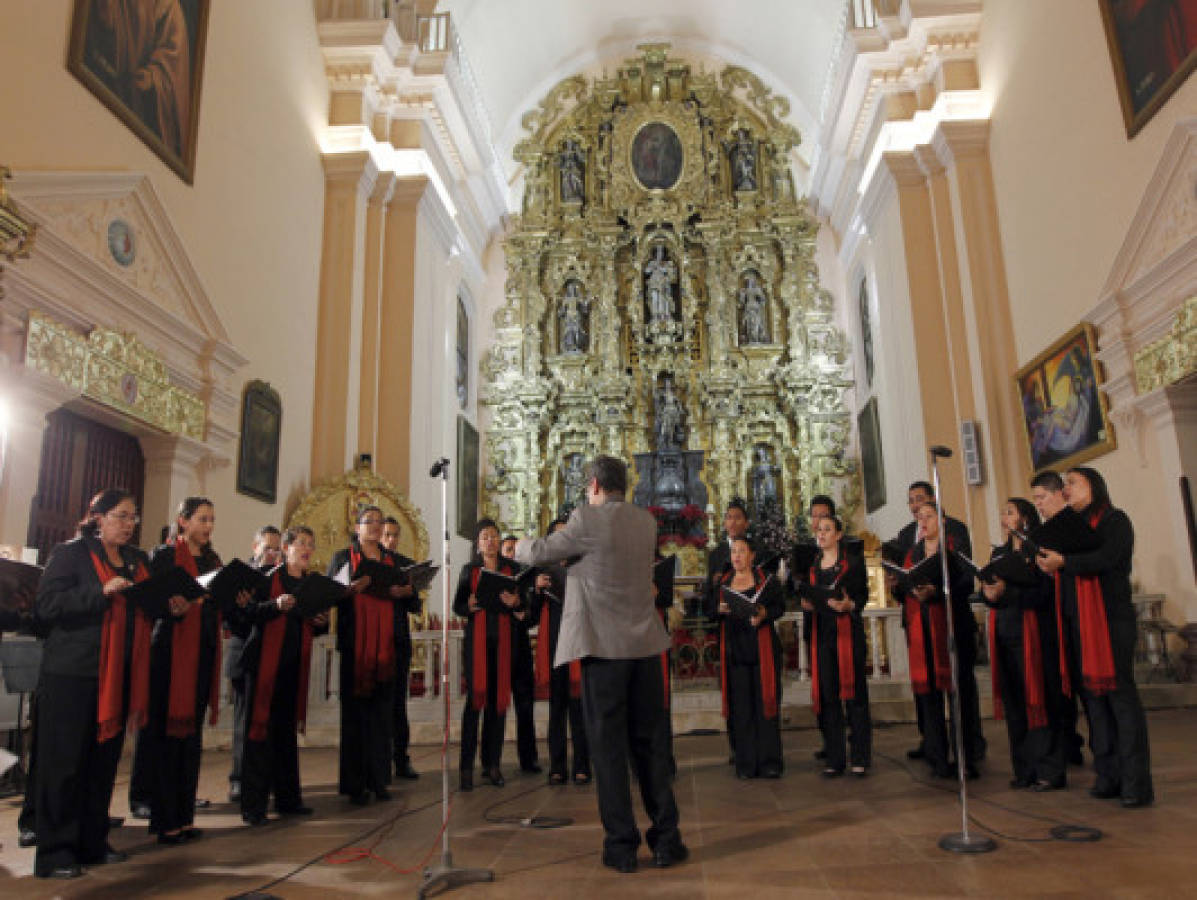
x=657, y=156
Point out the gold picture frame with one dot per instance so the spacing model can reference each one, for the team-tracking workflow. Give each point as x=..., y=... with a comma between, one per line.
x=1065, y=417
x=1153, y=49
x=160, y=100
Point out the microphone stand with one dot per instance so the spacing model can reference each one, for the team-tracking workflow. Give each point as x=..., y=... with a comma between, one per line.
x=962, y=841
x=445, y=875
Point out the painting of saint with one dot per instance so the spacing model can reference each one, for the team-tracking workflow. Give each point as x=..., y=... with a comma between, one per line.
x=657, y=156
x=144, y=60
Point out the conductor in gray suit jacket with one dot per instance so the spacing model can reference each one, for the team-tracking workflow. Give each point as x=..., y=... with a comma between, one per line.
x=609, y=622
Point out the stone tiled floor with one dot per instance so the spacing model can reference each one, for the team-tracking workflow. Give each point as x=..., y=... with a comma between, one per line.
x=797, y=837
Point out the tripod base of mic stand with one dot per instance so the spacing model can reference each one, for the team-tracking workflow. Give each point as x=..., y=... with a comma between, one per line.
x=959, y=842
x=445, y=877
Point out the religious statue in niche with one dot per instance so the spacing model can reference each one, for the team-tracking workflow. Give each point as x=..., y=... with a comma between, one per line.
x=742, y=156
x=573, y=483
x=660, y=277
x=764, y=477
x=574, y=313
x=753, y=303
x=671, y=417
x=572, y=163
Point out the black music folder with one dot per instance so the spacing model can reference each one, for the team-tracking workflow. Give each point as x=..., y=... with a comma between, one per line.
x=316, y=594
x=226, y=582
x=492, y=584
x=419, y=575
x=742, y=606
x=17, y=579
x=664, y=570
x=153, y=595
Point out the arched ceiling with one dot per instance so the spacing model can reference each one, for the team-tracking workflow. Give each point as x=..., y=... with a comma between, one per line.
x=519, y=49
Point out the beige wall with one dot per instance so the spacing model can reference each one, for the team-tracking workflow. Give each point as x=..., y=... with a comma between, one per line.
x=251, y=223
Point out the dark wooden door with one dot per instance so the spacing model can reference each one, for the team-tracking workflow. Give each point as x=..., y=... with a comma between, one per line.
x=80, y=458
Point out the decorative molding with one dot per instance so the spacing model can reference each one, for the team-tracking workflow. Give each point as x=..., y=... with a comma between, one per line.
x=1172, y=357
x=116, y=370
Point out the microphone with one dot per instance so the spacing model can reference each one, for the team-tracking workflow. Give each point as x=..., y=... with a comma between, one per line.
x=941, y=451
x=440, y=467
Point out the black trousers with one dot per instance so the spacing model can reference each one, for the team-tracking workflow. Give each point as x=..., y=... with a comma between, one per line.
x=173, y=763
x=365, y=761
x=523, y=698
x=1035, y=753
x=400, y=727
x=141, y=775
x=621, y=701
x=75, y=774
x=240, y=721
x=27, y=820
x=757, y=739
x=493, y=722
x=970, y=700
x=1117, y=724
x=563, y=707
x=272, y=765
x=837, y=714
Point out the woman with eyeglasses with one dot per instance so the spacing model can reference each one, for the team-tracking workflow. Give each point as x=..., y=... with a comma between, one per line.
x=366, y=641
x=94, y=679
x=185, y=677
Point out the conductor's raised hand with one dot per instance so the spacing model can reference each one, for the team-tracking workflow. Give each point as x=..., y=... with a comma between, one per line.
x=115, y=585
x=285, y=602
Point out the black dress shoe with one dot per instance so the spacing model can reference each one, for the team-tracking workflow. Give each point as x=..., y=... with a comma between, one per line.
x=172, y=840
x=916, y=753
x=666, y=855
x=140, y=810
x=1050, y=784
x=383, y=794
x=71, y=870
x=532, y=769
x=362, y=799
x=404, y=770
x=1019, y=783
x=1136, y=802
x=829, y=772
x=296, y=811
x=27, y=838
x=625, y=863
x=1101, y=792
x=494, y=776
x=771, y=772
x=234, y=791
x=110, y=857
x=193, y=834
x=465, y=781
x=254, y=820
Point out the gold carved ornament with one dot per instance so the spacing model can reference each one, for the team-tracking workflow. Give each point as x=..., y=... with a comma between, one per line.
x=589, y=227
x=114, y=368
x=1173, y=357
x=17, y=234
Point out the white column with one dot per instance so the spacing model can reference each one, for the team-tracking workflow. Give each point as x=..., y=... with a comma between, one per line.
x=172, y=471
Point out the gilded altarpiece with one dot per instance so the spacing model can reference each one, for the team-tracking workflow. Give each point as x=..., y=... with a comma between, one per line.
x=661, y=243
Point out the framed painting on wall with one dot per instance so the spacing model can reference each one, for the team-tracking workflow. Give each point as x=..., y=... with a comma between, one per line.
x=144, y=60
x=1153, y=48
x=467, y=478
x=261, y=427
x=1065, y=421
x=872, y=461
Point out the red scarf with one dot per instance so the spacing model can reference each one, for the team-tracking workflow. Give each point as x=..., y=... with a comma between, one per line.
x=374, y=633
x=920, y=679
x=272, y=649
x=544, y=661
x=1097, y=655
x=110, y=714
x=663, y=613
x=843, y=649
x=478, y=683
x=1032, y=672
x=185, y=638
x=764, y=635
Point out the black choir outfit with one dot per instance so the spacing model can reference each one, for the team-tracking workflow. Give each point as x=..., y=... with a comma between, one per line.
x=523, y=691
x=1024, y=664
x=489, y=650
x=750, y=665
x=400, y=727
x=930, y=669
x=277, y=665
x=366, y=644
x=184, y=681
x=839, y=677
x=94, y=678
x=234, y=671
x=560, y=685
x=718, y=565
x=1098, y=631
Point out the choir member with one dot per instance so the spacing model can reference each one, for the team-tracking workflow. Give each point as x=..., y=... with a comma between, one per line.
x=523, y=686
x=265, y=555
x=489, y=643
x=94, y=678
x=803, y=556
x=277, y=665
x=839, y=680
x=1047, y=493
x=750, y=666
x=410, y=603
x=925, y=615
x=1022, y=660
x=735, y=525
x=560, y=685
x=185, y=679
x=1097, y=637
x=366, y=643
